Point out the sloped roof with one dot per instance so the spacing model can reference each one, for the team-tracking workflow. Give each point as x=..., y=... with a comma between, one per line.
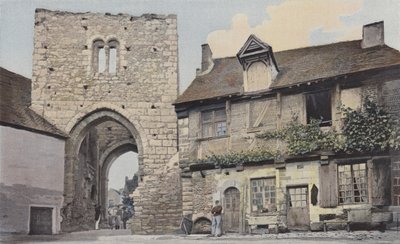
x=296, y=66
x=14, y=105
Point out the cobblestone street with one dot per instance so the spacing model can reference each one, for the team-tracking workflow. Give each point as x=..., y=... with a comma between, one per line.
x=123, y=236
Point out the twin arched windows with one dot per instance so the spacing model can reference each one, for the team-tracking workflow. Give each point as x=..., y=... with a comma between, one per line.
x=105, y=57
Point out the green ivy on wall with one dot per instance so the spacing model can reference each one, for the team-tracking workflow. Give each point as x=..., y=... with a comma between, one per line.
x=239, y=158
x=370, y=130
x=302, y=139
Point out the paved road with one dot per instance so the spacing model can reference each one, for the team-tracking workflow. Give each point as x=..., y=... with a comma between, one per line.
x=123, y=236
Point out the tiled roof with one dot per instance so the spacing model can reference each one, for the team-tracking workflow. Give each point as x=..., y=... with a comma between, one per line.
x=14, y=106
x=296, y=66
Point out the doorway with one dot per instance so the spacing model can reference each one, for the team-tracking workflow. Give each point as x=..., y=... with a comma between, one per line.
x=231, y=209
x=41, y=221
x=298, y=214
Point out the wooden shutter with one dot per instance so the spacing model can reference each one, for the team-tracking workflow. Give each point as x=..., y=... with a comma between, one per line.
x=380, y=182
x=328, y=197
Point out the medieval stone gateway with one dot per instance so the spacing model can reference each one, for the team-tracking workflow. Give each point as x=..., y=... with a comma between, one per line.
x=109, y=82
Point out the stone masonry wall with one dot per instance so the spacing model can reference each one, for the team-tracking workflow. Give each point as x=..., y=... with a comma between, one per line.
x=66, y=88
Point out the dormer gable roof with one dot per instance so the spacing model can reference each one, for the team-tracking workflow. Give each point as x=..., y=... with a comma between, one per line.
x=255, y=47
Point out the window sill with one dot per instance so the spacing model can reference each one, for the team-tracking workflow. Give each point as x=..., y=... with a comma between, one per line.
x=258, y=214
x=212, y=138
x=354, y=204
x=113, y=76
x=260, y=129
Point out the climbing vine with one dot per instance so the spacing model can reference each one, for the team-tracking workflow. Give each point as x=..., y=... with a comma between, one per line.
x=370, y=130
x=239, y=158
x=302, y=139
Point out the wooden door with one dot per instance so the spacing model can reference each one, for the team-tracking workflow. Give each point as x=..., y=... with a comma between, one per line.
x=231, y=210
x=298, y=214
x=40, y=221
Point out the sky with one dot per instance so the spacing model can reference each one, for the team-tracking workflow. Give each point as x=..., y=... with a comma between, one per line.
x=224, y=24
x=124, y=165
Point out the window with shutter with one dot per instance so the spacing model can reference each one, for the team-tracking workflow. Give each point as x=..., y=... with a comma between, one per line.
x=380, y=182
x=328, y=185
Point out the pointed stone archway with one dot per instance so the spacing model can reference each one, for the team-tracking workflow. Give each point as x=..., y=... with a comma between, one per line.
x=106, y=161
x=81, y=176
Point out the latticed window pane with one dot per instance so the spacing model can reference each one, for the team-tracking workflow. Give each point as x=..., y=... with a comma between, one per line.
x=298, y=196
x=353, y=183
x=221, y=128
x=263, y=194
x=214, y=123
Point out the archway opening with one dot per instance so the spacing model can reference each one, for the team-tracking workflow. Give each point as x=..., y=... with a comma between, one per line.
x=122, y=181
x=95, y=144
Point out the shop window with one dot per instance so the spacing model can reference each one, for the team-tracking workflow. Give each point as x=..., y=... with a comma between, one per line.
x=318, y=106
x=213, y=123
x=352, y=179
x=263, y=194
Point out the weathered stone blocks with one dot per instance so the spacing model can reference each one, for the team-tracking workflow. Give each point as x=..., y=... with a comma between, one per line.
x=66, y=88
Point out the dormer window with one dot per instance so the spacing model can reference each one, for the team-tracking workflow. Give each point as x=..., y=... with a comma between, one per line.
x=105, y=57
x=258, y=76
x=259, y=65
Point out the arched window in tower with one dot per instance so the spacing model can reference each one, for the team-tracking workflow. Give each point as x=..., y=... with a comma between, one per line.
x=99, y=56
x=113, y=50
x=105, y=57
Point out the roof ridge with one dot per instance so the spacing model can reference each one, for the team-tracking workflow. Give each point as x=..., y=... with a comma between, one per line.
x=298, y=48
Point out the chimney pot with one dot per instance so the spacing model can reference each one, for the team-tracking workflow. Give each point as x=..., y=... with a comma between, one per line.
x=373, y=35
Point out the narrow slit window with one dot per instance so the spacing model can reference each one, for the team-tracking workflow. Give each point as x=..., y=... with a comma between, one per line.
x=113, y=60
x=101, y=60
x=112, y=57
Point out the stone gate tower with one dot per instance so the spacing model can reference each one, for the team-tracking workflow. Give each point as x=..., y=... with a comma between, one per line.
x=109, y=82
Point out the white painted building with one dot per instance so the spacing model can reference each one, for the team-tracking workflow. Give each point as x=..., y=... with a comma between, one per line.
x=31, y=163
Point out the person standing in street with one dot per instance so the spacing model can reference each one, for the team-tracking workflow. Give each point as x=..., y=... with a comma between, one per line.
x=97, y=216
x=216, y=212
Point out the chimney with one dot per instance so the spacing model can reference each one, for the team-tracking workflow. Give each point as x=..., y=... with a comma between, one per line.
x=206, y=58
x=373, y=35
